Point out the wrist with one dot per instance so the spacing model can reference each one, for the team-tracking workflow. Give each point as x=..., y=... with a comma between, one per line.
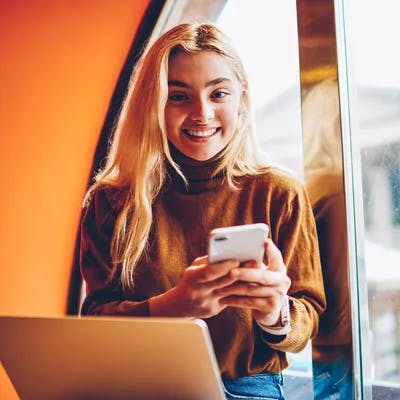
x=282, y=325
x=164, y=305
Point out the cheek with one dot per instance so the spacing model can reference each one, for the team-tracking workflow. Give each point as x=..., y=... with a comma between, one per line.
x=231, y=116
x=170, y=120
x=174, y=116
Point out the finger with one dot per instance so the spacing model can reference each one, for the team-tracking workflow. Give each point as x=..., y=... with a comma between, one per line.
x=262, y=304
x=217, y=284
x=274, y=256
x=251, y=264
x=211, y=272
x=247, y=289
x=261, y=276
x=200, y=260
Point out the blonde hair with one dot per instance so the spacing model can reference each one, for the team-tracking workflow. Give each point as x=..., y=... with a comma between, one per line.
x=139, y=150
x=321, y=127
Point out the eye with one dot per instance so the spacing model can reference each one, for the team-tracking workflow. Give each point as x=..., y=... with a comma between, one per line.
x=220, y=94
x=177, y=96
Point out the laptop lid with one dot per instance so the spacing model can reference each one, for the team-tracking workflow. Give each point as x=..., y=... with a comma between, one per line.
x=109, y=358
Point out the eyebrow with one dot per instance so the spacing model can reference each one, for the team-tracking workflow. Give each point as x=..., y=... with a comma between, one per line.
x=213, y=82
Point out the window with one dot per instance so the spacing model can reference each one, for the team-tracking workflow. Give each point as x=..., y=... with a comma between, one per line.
x=374, y=127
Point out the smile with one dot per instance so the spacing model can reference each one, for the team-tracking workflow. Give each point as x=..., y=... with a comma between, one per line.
x=201, y=134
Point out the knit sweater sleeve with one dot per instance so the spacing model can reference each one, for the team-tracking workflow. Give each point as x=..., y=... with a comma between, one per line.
x=296, y=236
x=103, y=295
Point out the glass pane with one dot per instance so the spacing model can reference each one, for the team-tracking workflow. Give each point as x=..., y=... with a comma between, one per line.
x=375, y=59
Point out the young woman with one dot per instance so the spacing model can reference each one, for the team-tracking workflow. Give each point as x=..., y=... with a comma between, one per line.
x=183, y=160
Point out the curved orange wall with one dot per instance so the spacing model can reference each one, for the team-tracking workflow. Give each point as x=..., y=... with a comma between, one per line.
x=59, y=63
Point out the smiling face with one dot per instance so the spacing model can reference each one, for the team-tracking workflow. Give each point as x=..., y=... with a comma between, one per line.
x=203, y=103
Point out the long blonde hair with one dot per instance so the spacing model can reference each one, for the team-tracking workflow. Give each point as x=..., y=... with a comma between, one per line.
x=139, y=149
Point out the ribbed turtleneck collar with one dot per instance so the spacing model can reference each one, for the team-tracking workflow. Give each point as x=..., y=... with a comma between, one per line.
x=199, y=174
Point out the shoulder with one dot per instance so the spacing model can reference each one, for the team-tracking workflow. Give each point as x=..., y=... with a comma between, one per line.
x=108, y=198
x=102, y=208
x=283, y=194
x=116, y=196
x=276, y=181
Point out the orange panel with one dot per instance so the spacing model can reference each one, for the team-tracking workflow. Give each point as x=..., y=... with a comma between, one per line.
x=60, y=61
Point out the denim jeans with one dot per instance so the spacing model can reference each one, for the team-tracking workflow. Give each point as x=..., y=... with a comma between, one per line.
x=333, y=379
x=256, y=387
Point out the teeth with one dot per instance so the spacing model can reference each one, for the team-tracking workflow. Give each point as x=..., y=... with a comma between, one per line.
x=206, y=133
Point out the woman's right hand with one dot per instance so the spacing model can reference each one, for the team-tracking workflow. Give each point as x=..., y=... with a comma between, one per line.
x=195, y=295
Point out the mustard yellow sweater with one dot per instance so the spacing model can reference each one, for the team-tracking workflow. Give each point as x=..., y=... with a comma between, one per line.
x=183, y=218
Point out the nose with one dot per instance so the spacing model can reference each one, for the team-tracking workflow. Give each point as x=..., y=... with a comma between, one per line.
x=202, y=110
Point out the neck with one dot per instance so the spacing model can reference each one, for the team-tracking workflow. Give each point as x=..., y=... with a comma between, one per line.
x=199, y=174
x=181, y=158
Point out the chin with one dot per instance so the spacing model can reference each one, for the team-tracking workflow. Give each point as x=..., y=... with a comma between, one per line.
x=203, y=156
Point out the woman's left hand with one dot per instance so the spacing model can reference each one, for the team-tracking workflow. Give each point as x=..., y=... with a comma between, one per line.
x=260, y=287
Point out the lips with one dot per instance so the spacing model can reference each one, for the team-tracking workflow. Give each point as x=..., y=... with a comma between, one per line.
x=203, y=133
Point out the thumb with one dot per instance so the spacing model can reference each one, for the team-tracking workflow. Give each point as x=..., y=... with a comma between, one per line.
x=274, y=256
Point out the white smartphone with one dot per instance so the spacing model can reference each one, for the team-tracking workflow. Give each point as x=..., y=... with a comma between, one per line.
x=241, y=242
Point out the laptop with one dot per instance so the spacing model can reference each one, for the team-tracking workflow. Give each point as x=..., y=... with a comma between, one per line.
x=100, y=358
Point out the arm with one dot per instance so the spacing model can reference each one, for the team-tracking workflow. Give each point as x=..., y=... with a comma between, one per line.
x=297, y=239
x=292, y=268
x=103, y=296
